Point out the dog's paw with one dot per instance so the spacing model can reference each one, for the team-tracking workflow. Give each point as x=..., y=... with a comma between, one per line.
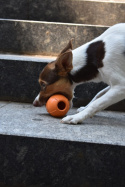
x=72, y=119
x=81, y=109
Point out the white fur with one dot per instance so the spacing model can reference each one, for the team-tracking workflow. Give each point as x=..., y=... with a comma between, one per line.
x=112, y=73
x=36, y=100
x=79, y=58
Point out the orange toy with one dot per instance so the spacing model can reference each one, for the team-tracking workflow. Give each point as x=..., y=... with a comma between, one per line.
x=57, y=105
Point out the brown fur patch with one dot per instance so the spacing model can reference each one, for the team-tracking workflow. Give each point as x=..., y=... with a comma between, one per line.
x=64, y=63
x=49, y=74
x=62, y=86
x=69, y=46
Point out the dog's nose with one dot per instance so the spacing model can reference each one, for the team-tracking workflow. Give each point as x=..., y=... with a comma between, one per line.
x=36, y=103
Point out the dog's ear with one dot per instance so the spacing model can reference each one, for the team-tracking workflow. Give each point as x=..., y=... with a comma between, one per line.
x=63, y=63
x=69, y=46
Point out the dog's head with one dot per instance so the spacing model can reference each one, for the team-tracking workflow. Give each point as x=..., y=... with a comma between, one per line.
x=54, y=78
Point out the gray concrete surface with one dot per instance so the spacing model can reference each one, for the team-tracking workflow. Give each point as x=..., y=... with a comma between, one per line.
x=25, y=120
x=29, y=58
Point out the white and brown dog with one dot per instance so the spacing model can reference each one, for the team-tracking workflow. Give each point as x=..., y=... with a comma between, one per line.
x=102, y=59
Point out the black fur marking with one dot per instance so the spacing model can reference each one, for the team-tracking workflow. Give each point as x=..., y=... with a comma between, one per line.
x=95, y=54
x=86, y=73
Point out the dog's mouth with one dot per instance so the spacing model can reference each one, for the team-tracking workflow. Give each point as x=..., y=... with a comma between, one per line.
x=42, y=101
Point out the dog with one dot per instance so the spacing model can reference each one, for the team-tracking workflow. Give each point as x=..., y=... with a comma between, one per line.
x=102, y=59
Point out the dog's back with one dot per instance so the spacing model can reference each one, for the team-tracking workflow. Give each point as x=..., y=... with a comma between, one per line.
x=113, y=71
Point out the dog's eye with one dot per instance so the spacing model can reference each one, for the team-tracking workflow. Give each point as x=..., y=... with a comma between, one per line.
x=43, y=86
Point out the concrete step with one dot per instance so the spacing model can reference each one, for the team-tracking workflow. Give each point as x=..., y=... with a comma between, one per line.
x=43, y=38
x=99, y=12
x=36, y=150
x=19, y=81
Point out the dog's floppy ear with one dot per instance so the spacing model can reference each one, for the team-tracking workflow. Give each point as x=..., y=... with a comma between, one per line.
x=63, y=63
x=69, y=46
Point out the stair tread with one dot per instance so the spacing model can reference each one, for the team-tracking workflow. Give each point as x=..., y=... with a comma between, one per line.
x=34, y=58
x=20, y=119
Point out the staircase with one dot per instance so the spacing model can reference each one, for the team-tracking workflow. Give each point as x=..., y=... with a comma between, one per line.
x=34, y=151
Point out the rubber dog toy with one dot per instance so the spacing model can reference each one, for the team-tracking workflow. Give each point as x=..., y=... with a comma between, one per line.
x=57, y=105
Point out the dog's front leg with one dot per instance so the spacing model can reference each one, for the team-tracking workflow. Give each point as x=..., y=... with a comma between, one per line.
x=114, y=95
x=99, y=94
